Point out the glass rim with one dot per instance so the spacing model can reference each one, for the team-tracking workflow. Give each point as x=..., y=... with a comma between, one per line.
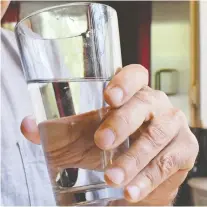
x=56, y=7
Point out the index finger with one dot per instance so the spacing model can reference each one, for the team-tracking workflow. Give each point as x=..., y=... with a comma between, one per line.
x=125, y=84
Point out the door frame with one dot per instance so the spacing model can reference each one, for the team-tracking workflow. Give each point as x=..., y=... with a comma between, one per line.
x=194, y=92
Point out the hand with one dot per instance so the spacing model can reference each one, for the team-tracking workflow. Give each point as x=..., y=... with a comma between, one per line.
x=162, y=149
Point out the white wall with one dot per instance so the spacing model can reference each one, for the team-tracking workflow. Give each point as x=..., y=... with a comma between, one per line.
x=203, y=61
x=170, y=45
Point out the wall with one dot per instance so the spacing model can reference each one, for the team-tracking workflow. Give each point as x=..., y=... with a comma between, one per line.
x=203, y=62
x=170, y=46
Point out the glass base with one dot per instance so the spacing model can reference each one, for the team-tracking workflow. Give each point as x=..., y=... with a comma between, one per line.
x=96, y=195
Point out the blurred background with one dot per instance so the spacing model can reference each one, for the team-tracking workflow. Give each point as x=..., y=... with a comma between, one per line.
x=170, y=39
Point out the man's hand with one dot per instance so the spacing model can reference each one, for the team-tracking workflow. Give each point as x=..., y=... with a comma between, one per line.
x=162, y=149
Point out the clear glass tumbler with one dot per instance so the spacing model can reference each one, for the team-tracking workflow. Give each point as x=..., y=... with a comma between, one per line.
x=69, y=54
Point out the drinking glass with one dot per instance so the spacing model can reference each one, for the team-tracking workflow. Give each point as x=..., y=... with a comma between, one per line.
x=69, y=54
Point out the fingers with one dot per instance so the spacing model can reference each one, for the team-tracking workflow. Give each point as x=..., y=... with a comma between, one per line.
x=163, y=166
x=122, y=122
x=30, y=130
x=68, y=142
x=164, y=194
x=125, y=84
x=158, y=134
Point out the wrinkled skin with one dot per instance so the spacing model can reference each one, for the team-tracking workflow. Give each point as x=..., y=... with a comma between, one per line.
x=162, y=149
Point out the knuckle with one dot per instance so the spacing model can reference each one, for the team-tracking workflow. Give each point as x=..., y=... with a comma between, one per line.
x=195, y=145
x=180, y=115
x=193, y=142
x=156, y=135
x=193, y=148
x=150, y=177
x=141, y=68
x=144, y=97
x=123, y=117
x=133, y=157
x=144, y=69
x=162, y=99
x=166, y=164
x=161, y=95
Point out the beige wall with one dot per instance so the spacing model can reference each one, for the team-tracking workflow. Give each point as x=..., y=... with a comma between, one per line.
x=170, y=45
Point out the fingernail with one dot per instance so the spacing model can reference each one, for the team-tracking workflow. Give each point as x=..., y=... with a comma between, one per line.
x=30, y=124
x=115, y=175
x=116, y=95
x=133, y=192
x=104, y=138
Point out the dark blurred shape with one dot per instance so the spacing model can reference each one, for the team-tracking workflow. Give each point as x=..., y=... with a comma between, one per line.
x=68, y=178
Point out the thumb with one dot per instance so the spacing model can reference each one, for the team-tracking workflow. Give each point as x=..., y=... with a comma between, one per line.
x=30, y=130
